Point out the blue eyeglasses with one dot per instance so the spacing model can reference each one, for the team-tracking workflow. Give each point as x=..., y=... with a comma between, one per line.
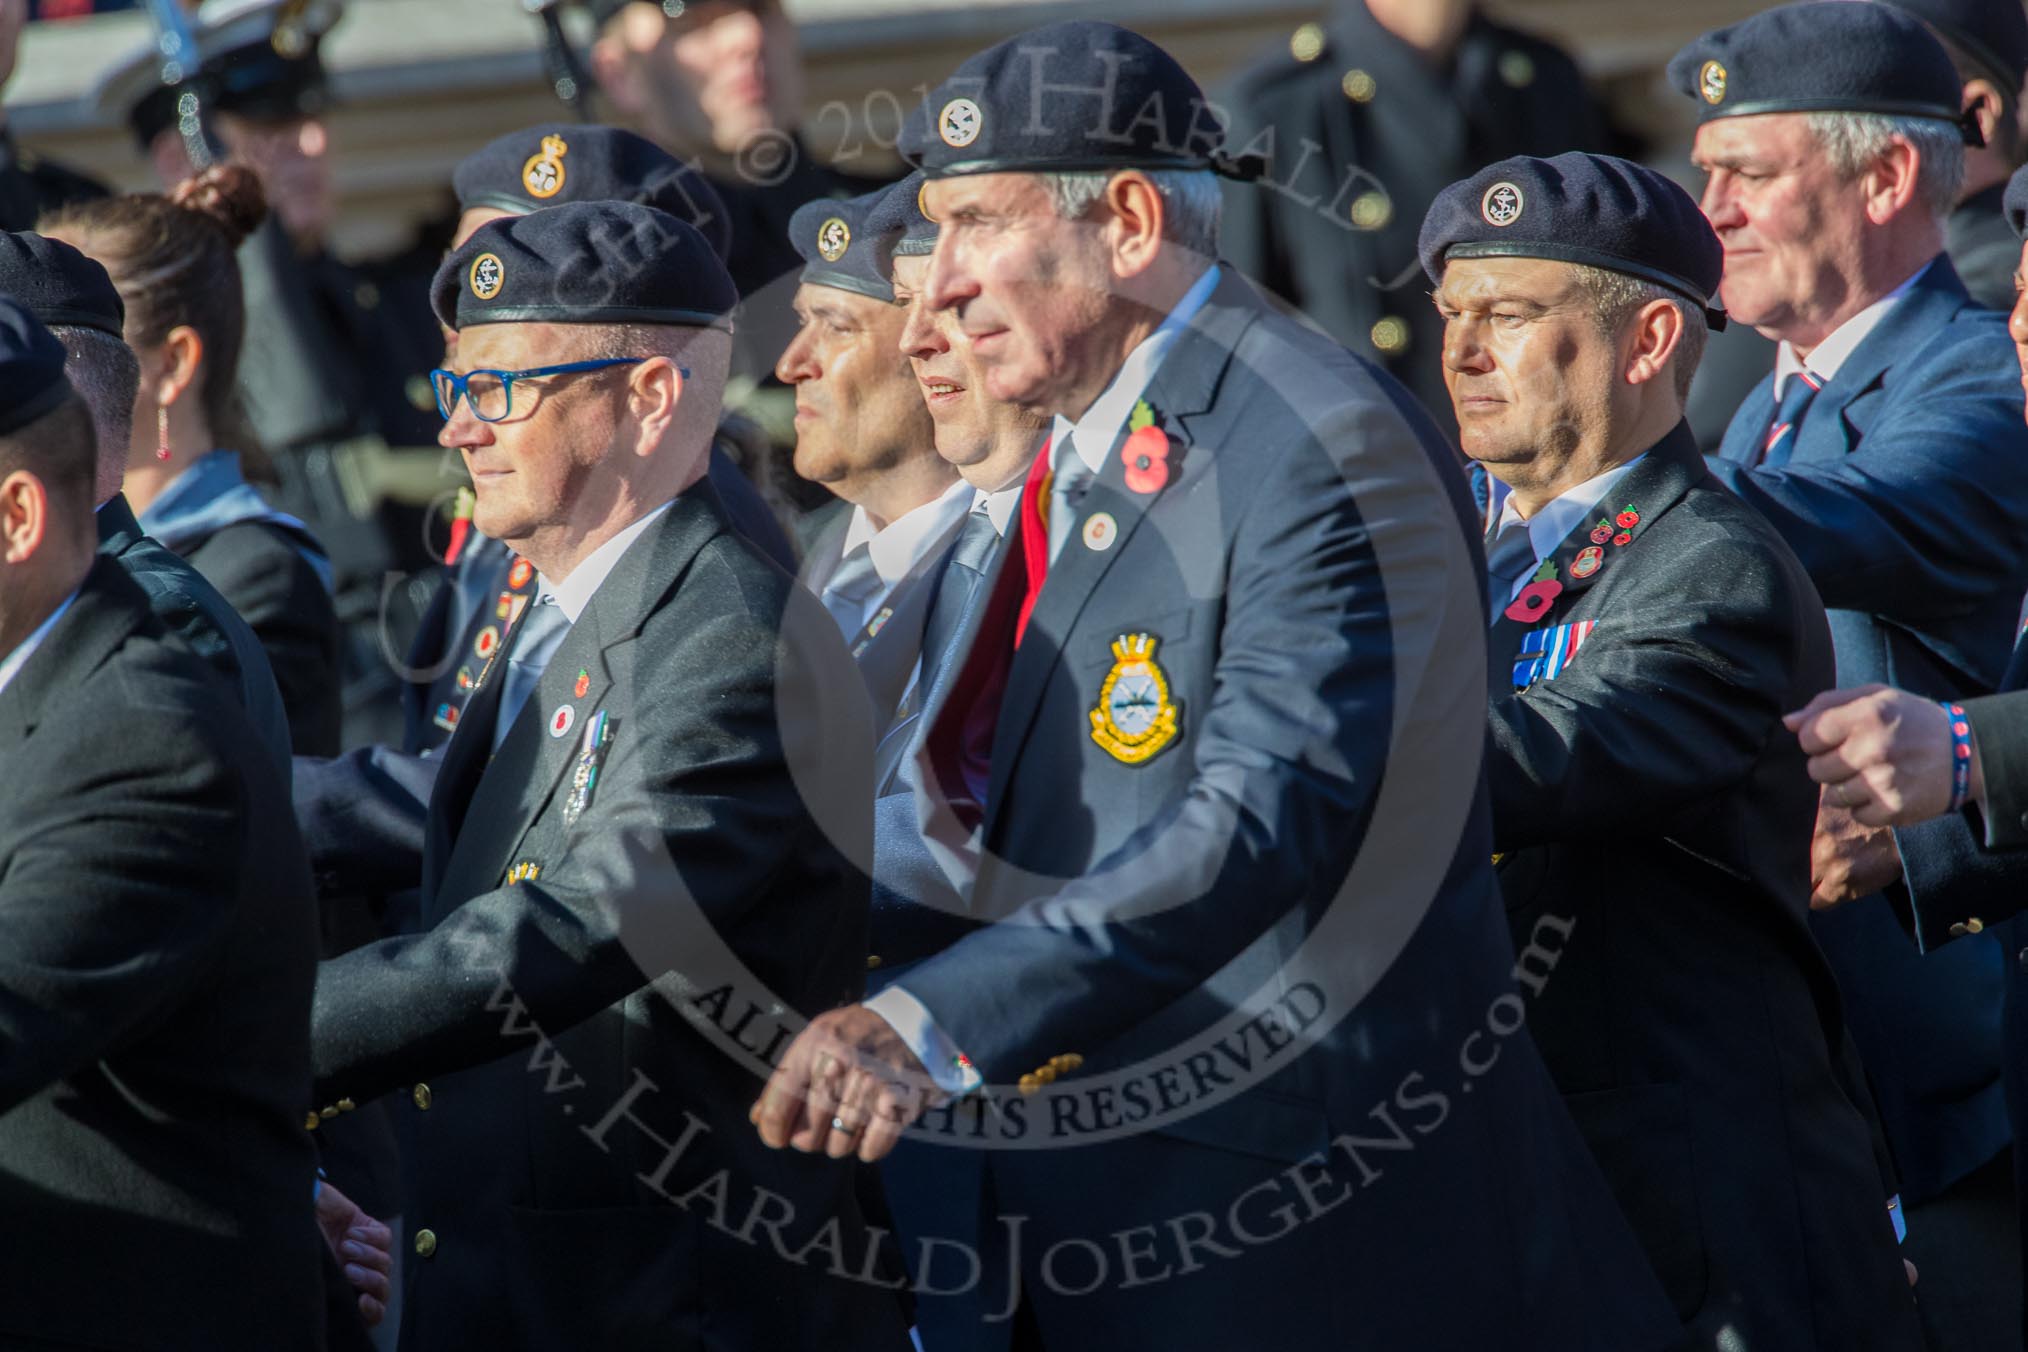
x=491, y=393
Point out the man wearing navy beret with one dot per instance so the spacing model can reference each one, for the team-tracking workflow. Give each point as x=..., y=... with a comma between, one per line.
x=1887, y=449
x=161, y=940
x=863, y=432
x=1155, y=773
x=1951, y=777
x=1648, y=632
x=614, y=839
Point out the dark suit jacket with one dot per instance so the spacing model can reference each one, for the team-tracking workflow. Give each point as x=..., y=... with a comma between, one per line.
x=1649, y=798
x=257, y=568
x=1142, y=904
x=154, y=1000
x=1333, y=228
x=1906, y=498
x=191, y=609
x=697, y=867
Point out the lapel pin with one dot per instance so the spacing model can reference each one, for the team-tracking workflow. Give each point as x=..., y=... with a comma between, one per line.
x=1536, y=598
x=583, y=682
x=1602, y=532
x=518, y=575
x=1146, y=453
x=1100, y=530
x=560, y=721
x=1587, y=561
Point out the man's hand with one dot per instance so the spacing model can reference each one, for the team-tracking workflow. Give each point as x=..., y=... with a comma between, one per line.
x=361, y=1245
x=846, y=1081
x=1848, y=860
x=1883, y=754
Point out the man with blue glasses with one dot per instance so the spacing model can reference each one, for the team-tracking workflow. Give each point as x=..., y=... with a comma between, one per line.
x=612, y=839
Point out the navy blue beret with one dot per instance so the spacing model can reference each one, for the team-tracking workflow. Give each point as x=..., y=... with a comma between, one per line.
x=585, y=263
x=2017, y=202
x=31, y=367
x=1828, y=56
x=1068, y=97
x=1990, y=32
x=561, y=162
x=841, y=247
x=1591, y=210
x=58, y=284
x=899, y=214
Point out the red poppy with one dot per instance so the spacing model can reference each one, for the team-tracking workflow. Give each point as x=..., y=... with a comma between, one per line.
x=1628, y=519
x=1534, y=601
x=1622, y=538
x=1146, y=457
x=1601, y=533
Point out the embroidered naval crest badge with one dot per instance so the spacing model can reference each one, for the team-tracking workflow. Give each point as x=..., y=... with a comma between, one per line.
x=1136, y=716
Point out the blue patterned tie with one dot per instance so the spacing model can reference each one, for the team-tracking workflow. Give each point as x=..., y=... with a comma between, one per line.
x=955, y=590
x=1787, y=425
x=540, y=634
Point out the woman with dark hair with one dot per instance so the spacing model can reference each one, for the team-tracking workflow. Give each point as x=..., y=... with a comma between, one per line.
x=172, y=259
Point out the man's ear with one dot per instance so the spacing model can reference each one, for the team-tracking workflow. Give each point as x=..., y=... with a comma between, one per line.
x=24, y=516
x=1657, y=333
x=655, y=390
x=1139, y=216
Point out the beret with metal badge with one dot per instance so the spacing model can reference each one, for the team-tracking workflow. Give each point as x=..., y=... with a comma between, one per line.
x=1824, y=56
x=556, y=163
x=31, y=368
x=842, y=248
x=1590, y=210
x=1069, y=97
x=585, y=263
x=899, y=213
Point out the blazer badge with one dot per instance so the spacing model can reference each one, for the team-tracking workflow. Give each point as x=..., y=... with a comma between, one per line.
x=1135, y=717
x=527, y=871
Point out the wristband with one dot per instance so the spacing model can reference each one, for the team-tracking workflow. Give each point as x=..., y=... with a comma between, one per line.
x=1961, y=754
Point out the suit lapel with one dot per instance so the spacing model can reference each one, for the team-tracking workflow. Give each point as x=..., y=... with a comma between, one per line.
x=515, y=786
x=1927, y=306
x=1665, y=474
x=1182, y=390
x=75, y=645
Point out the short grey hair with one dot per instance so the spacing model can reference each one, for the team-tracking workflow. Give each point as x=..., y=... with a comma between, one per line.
x=1617, y=296
x=1191, y=199
x=1851, y=142
x=106, y=374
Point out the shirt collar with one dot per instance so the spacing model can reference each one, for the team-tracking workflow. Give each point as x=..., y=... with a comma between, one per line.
x=999, y=505
x=1829, y=355
x=1093, y=434
x=1557, y=518
x=897, y=547
x=574, y=593
x=10, y=666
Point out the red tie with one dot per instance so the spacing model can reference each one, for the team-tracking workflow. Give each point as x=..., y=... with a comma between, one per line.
x=1034, y=516
x=961, y=742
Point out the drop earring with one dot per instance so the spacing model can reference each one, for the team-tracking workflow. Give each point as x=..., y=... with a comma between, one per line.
x=161, y=431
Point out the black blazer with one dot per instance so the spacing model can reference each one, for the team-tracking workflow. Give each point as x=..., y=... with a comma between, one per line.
x=191, y=609
x=256, y=566
x=155, y=1176
x=1654, y=812
x=622, y=942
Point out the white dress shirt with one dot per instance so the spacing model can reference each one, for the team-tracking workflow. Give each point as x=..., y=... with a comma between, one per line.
x=574, y=593
x=1556, y=519
x=1826, y=357
x=11, y=665
x=1091, y=437
x=896, y=548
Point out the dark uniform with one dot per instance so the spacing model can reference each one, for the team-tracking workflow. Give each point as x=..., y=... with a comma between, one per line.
x=160, y=951
x=1361, y=132
x=1166, y=741
x=1649, y=807
x=644, y=782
